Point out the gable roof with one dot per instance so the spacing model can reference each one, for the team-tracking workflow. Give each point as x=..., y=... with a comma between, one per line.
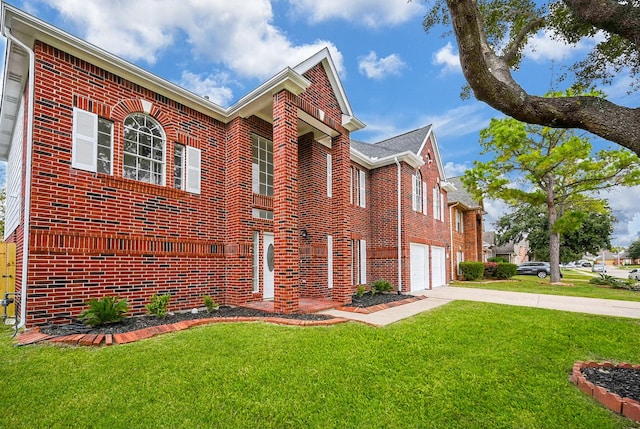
x=461, y=196
x=409, y=145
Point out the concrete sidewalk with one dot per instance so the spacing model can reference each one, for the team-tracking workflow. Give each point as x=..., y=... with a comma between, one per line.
x=446, y=294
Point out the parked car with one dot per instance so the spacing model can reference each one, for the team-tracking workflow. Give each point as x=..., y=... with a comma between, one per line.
x=599, y=268
x=634, y=274
x=586, y=264
x=540, y=269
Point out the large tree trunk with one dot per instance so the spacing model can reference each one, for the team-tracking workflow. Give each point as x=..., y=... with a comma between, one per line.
x=490, y=78
x=554, y=237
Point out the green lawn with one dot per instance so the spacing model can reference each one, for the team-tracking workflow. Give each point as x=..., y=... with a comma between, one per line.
x=575, y=283
x=463, y=365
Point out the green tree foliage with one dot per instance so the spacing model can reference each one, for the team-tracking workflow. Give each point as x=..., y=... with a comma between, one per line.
x=492, y=34
x=591, y=234
x=634, y=249
x=554, y=168
x=3, y=198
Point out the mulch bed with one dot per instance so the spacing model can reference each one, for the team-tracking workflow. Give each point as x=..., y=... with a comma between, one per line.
x=141, y=322
x=621, y=381
x=369, y=300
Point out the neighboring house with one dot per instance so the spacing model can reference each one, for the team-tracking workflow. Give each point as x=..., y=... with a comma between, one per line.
x=465, y=215
x=613, y=258
x=516, y=253
x=121, y=183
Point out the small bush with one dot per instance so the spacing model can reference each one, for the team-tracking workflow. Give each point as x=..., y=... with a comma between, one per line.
x=381, y=286
x=606, y=280
x=158, y=305
x=104, y=311
x=472, y=270
x=506, y=270
x=360, y=290
x=210, y=303
x=497, y=259
x=490, y=269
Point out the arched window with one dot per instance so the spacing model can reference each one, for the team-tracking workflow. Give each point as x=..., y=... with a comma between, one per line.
x=144, y=149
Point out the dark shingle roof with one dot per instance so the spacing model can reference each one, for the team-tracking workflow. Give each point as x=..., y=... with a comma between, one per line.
x=407, y=142
x=460, y=194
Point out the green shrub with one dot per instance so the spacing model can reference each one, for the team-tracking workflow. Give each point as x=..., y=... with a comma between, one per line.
x=210, y=303
x=158, y=305
x=506, y=270
x=472, y=270
x=380, y=286
x=497, y=259
x=360, y=290
x=103, y=311
x=490, y=269
x=606, y=280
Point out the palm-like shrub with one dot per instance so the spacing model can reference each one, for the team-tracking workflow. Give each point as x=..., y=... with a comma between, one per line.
x=104, y=311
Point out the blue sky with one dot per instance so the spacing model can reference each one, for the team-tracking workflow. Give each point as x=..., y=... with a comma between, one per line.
x=396, y=77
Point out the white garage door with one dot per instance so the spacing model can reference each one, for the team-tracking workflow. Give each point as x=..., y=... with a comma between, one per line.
x=438, y=266
x=419, y=255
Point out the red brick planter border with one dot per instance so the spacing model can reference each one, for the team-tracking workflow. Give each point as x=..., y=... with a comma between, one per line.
x=35, y=336
x=374, y=308
x=628, y=407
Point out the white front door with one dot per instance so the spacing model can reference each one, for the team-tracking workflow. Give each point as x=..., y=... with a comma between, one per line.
x=267, y=266
x=438, y=266
x=419, y=256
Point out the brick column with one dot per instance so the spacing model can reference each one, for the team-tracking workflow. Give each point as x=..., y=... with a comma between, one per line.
x=285, y=204
x=342, y=288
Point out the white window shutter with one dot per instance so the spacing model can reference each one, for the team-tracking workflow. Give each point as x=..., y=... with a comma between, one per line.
x=424, y=197
x=329, y=176
x=363, y=262
x=442, y=207
x=329, y=261
x=193, y=170
x=436, y=209
x=84, y=154
x=363, y=189
x=414, y=192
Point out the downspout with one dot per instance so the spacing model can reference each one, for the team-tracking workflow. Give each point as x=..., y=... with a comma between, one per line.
x=399, y=228
x=27, y=187
x=451, y=220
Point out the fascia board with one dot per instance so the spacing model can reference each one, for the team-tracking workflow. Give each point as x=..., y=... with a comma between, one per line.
x=371, y=163
x=287, y=79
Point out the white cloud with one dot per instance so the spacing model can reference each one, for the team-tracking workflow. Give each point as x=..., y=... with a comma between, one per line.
x=452, y=169
x=371, y=13
x=494, y=209
x=626, y=210
x=545, y=46
x=209, y=86
x=239, y=35
x=378, y=68
x=459, y=121
x=447, y=58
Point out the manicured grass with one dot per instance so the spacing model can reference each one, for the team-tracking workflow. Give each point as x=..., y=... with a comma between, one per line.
x=463, y=365
x=575, y=283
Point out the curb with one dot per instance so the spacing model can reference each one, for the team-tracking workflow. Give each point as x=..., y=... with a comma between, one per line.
x=95, y=340
x=628, y=407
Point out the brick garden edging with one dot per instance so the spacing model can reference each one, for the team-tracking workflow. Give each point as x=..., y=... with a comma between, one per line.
x=374, y=308
x=35, y=336
x=628, y=407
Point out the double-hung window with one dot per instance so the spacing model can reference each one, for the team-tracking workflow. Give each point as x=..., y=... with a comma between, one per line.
x=186, y=168
x=92, y=142
x=262, y=166
x=459, y=221
x=419, y=191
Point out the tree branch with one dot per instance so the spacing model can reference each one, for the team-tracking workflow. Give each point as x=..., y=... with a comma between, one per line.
x=510, y=53
x=609, y=15
x=490, y=78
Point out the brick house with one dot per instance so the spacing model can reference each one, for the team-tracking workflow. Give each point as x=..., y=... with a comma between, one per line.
x=466, y=227
x=121, y=183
